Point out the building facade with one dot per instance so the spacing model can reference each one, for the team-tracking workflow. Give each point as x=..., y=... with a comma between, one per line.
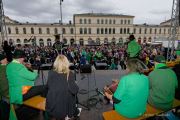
x=87, y=29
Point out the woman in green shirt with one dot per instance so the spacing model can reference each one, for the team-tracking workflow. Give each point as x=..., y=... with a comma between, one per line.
x=131, y=95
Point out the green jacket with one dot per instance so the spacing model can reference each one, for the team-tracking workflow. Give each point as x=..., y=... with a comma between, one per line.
x=18, y=76
x=133, y=49
x=4, y=87
x=163, y=82
x=132, y=91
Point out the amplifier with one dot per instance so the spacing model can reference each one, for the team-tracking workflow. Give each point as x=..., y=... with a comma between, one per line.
x=85, y=68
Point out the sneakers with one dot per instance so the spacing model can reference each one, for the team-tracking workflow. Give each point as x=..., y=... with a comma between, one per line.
x=80, y=109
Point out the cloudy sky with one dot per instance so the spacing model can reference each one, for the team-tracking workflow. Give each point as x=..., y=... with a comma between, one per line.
x=145, y=11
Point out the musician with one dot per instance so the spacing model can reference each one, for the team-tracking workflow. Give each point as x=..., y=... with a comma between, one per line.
x=58, y=45
x=134, y=48
x=62, y=90
x=131, y=95
x=21, y=80
x=163, y=82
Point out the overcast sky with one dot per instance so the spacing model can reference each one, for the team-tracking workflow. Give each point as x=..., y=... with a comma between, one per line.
x=145, y=11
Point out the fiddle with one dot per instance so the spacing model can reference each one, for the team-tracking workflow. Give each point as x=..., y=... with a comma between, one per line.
x=111, y=88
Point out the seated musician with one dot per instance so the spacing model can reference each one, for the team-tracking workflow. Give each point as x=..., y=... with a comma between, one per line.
x=131, y=95
x=163, y=82
x=21, y=80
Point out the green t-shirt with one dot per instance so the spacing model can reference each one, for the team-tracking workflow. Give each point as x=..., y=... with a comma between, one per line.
x=133, y=91
x=163, y=82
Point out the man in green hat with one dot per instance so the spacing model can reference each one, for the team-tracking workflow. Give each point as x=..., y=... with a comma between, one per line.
x=177, y=71
x=163, y=82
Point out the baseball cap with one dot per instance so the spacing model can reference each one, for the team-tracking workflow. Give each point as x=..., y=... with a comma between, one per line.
x=19, y=54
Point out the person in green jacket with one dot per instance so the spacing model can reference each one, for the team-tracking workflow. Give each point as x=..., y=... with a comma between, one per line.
x=130, y=97
x=134, y=48
x=163, y=82
x=18, y=77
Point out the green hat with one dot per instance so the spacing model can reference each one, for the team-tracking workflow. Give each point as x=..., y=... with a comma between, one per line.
x=160, y=59
x=19, y=54
x=2, y=56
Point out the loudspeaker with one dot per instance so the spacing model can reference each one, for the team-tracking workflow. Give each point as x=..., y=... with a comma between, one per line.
x=101, y=66
x=85, y=68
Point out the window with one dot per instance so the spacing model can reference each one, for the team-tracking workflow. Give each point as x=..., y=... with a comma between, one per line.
x=9, y=30
x=41, y=42
x=155, y=31
x=121, y=31
x=72, y=31
x=40, y=31
x=109, y=30
x=25, y=41
x=150, y=31
x=102, y=21
x=85, y=30
x=124, y=30
x=89, y=30
x=55, y=31
x=81, y=42
x=47, y=30
x=110, y=21
x=128, y=31
x=32, y=30
x=17, y=30
x=114, y=31
x=159, y=31
x=49, y=42
x=97, y=21
x=64, y=31
x=134, y=31
x=81, y=31
x=164, y=31
x=125, y=21
x=98, y=41
x=85, y=21
x=145, y=31
x=102, y=31
x=18, y=41
x=114, y=21
x=24, y=30
x=80, y=21
x=121, y=21
x=106, y=31
x=97, y=30
x=89, y=21
x=129, y=22
x=106, y=21
x=139, y=30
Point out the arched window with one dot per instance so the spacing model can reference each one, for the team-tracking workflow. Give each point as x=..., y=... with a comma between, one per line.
x=114, y=21
x=24, y=30
x=81, y=42
x=18, y=41
x=155, y=31
x=72, y=41
x=121, y=21
x=9, y=30
x=32, y=30
x=102, y=31
x=114, y=41
x=90, y=41
x=40, y=31
x=65, y=41
x=41, y=42
x=114, y=31
x=139, y=30
x=150, y=31
x=72, y=31
x=98, y=21
x=49, y=42
x=17, y=30
x=25, y=41
x=106, y=21
x=85, y=21
x=164, y=31
x=106, y=31
x=55, y=31
x=124, y=30
x=97, y=30
x=128, y=31
x=80, y=21
x=98, y=41
x=89, y=30
x=121, y=31
x=47, y=30
x=145, y=31
x=105, y=41
x=129, y=22
x=64, y=31
x=110, y=21
x=89, y=21
x=160, y=31
x=149, y=40
x=85, y=30
x=80, y=30
x=109, y=30
x=125, y=21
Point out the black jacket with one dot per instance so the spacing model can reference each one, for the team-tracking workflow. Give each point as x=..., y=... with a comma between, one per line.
x=177, y=71
x=61, y=96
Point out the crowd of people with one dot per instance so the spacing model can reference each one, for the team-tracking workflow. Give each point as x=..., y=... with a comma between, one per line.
x=133, y=92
